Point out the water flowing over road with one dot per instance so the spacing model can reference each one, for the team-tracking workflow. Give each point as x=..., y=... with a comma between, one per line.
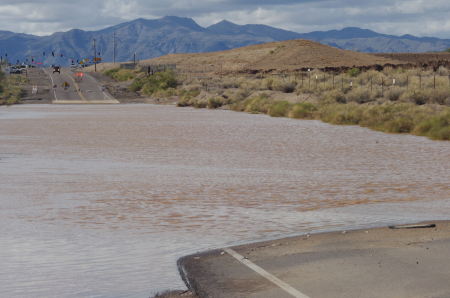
x=100, y=201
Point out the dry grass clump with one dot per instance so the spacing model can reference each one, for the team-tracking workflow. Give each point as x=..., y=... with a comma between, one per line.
x=121, y=75
x=392, y=117
x=359, y=95
x=304, y=110
x=11, y=89
x=279, y=109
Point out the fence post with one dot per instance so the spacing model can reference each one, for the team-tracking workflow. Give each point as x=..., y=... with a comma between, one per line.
x=420, y=81
x=342, y=82
x=371, y=84
x=309, y=79
x=407, y=82
x=382, y=86
x=434, y=81
x=333, y=80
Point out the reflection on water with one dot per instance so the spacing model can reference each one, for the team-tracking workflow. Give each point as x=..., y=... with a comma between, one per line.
x=100, y=201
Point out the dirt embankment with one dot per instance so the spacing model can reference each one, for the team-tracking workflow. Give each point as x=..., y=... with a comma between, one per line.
x=274, y=56
x=425, y=60
x=282, y=56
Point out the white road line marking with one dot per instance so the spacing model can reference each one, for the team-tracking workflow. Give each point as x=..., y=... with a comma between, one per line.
x=53, y=84
x=284, y=286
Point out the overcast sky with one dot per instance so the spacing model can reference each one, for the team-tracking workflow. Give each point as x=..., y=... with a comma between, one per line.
x=417, y=17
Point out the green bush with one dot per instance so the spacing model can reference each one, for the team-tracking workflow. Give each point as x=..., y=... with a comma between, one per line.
x=279, y=109
x=394, y=93
x=304, y=110
x=215, y=103
x=354, y=72
x=286, y=87
x=159, y=81
x=359, y=95
x=10, y=89
x=137, y=84
x=120, y=75
x=333, y=96
x=436, y=127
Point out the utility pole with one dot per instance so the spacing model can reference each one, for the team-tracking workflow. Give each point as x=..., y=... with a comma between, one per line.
x=114, y=47
x=95, y=56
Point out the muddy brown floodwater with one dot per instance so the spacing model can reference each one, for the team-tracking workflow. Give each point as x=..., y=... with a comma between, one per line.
x=100, y=201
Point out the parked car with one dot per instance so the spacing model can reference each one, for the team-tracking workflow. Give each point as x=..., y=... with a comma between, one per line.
x=57, y=69
x=14, y=70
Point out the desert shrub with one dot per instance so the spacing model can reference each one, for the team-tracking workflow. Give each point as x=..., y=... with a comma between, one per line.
x=257, y=104
x=137, y=84
x=10, y=89
x=359, y=95
x=354, y=72
x=440, y=96
x=230, y=83
x=242, y=94
x=341, y=113
x=159, y=81
x=165, y=93
x=184, y=102
x=285, y=87
x=304, y=110
x=400, y=124
x=279, y=109
x=215, y=103
x=200, y=104
x=418, y=97
x=333, y=96
x=435, y=127
x=394, y=93
x=442, y=71
x=186, y=96
x=268, y=83
x=121, y=75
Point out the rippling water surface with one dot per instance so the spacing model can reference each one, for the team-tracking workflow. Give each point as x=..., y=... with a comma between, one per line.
x=100, y=201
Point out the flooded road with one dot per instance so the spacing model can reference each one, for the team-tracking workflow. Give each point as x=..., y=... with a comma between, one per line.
x=100, y=201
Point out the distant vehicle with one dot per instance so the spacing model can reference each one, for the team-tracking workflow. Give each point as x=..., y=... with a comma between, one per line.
x=14, y=70
x=56, y=69
x=74, y=66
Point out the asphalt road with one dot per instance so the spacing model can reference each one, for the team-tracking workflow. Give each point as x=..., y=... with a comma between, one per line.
x=78, y=90
x=383, y=262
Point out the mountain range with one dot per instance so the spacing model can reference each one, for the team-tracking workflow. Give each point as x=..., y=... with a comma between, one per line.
x=153, y=38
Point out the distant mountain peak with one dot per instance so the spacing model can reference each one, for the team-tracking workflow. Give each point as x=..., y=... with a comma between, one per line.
x=172, y=34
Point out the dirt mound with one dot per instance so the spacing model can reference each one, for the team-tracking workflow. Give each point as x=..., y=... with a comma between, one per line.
x=285, y=55
x=420, y=59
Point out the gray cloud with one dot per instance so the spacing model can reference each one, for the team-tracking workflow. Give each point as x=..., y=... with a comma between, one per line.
x=417, y=17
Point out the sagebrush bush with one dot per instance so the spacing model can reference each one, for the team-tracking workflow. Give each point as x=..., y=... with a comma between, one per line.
x=159, y=81
x=354, y=72
x=304, y=110
x=284, y=86
x=435, y=127
x=279, y=109
x=121, y=75
x=257, y=104
x=359, y=95
x=11, y=89
x=394, y=93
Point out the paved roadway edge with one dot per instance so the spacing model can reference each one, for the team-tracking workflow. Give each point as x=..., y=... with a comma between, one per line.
x=191, y=281
x=281, y=284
